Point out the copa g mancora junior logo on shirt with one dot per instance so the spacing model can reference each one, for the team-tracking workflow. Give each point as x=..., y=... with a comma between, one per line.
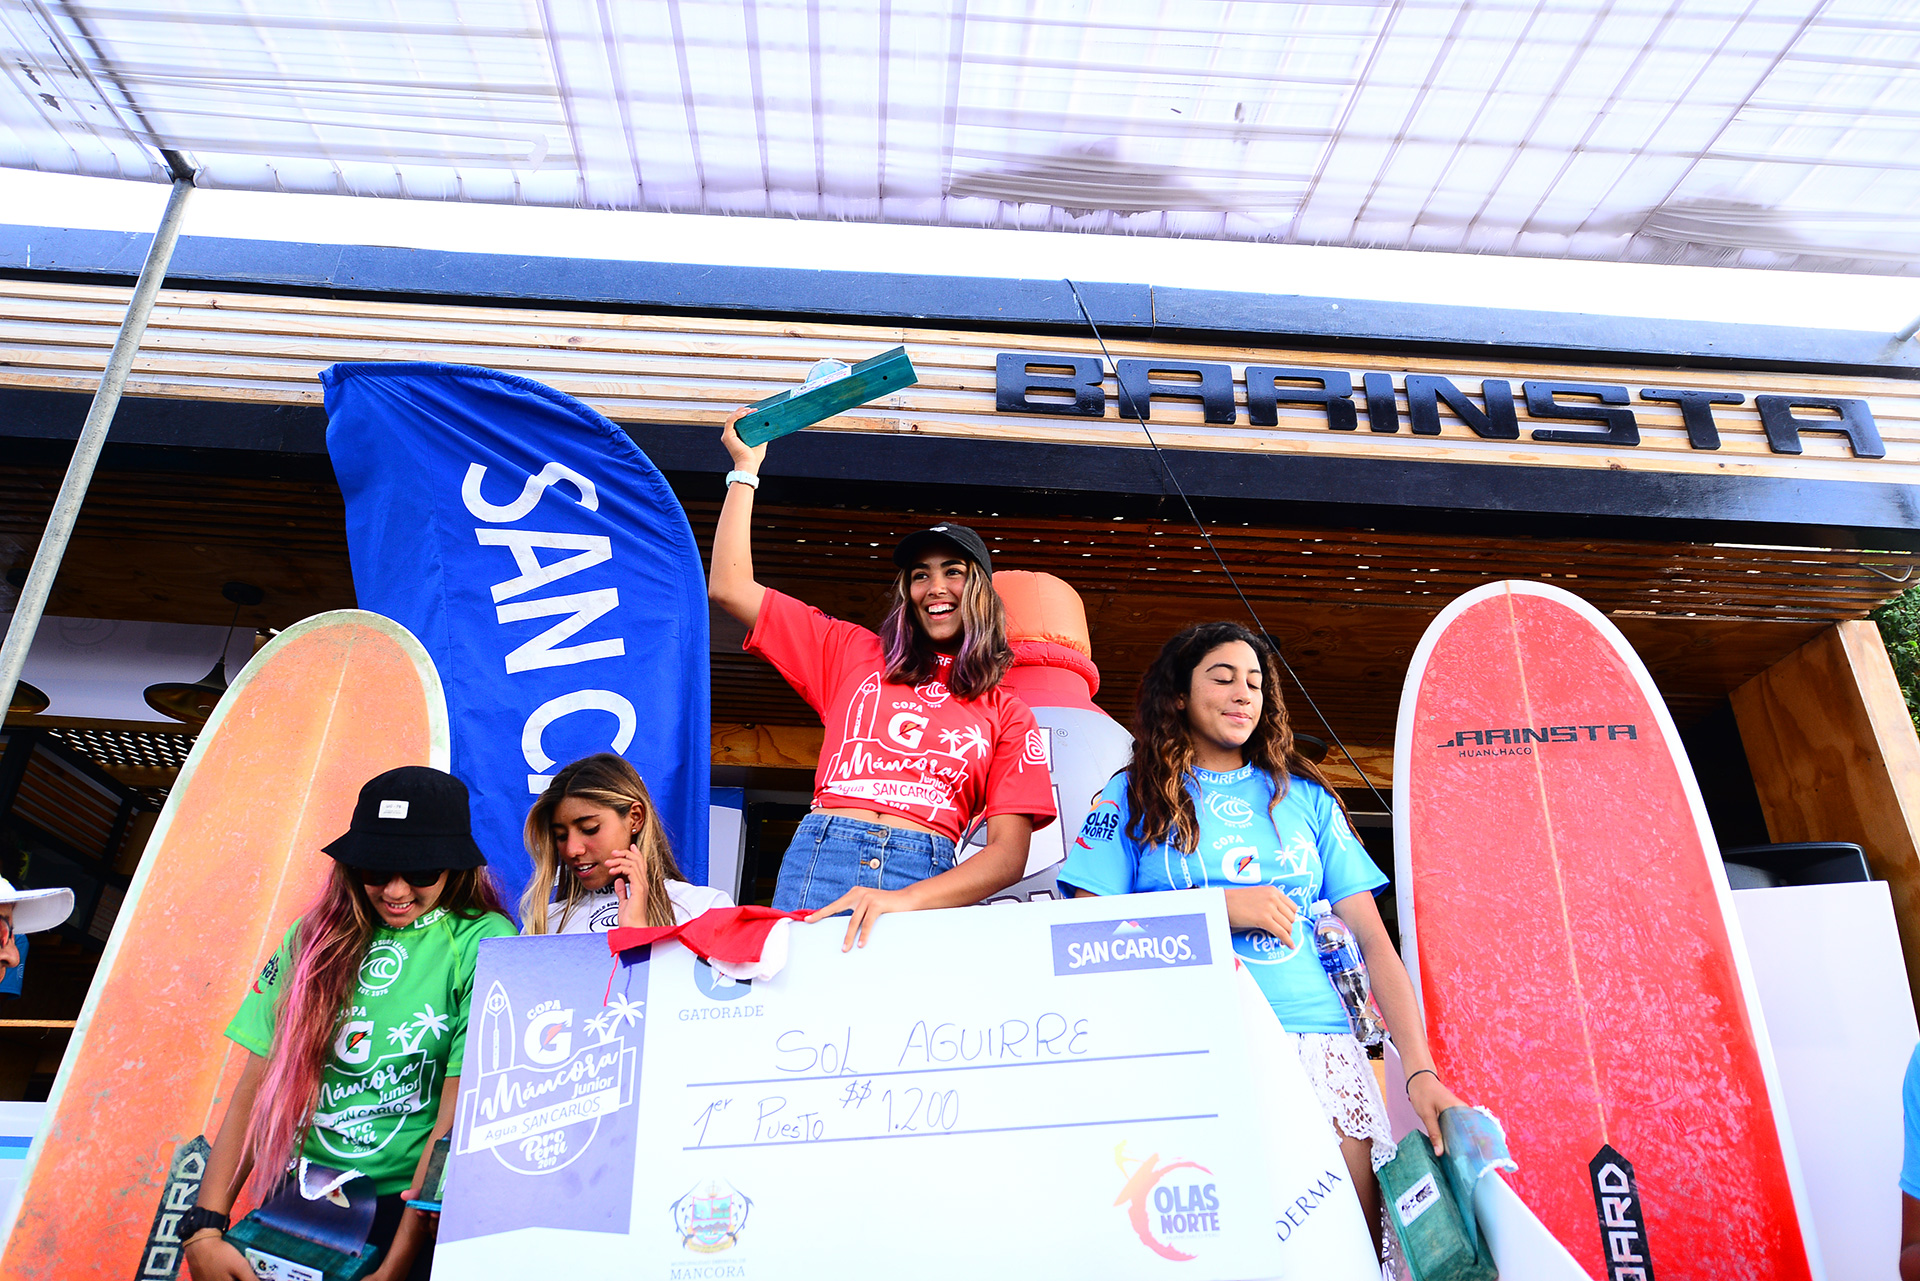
x=1139, y=943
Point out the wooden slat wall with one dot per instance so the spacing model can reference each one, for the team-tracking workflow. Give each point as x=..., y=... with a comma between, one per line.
x=209, y=345
x=67, y=803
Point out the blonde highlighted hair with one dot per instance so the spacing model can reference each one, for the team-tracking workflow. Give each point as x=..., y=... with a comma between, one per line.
x=607, y=780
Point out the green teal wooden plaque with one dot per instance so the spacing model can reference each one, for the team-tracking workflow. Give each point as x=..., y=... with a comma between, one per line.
x=789, y=411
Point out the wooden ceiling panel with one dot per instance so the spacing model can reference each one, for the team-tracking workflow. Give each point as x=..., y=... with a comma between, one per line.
x=1347, y=606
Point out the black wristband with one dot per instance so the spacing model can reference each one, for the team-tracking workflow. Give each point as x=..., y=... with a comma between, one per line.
x=1408, y=1083
x=199, y=1219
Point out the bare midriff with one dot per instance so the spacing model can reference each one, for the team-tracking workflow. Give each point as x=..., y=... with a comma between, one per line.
x=882, y=817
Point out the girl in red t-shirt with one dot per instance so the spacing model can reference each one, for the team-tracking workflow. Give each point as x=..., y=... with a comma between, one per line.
x=920, y=739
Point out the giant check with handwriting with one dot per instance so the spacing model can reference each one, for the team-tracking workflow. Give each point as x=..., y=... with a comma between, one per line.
x=1060, y=1088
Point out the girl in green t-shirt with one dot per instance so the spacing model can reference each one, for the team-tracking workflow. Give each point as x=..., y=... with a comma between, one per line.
x=355, y=1029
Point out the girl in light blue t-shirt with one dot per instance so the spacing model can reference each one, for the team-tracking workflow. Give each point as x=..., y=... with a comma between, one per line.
x=1217, y=796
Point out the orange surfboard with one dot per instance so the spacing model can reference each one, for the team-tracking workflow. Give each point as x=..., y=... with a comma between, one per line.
x=1567, y=921
x=235, y=856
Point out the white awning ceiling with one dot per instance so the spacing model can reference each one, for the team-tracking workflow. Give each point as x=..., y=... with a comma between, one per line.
x=1750, y=132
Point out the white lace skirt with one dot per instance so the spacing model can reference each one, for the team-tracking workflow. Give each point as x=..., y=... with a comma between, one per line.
x=1349, y=1093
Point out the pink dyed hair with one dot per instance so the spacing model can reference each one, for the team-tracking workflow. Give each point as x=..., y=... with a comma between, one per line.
x=328, y=945
x=984, y=655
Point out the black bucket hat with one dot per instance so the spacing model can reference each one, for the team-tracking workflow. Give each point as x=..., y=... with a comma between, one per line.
x=970, y=544
x=411, y=819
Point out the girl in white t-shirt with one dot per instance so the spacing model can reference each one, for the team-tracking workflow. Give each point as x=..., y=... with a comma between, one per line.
x=601, y=858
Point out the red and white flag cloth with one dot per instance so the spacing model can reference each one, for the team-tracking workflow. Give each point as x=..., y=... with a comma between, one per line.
x=739, y=942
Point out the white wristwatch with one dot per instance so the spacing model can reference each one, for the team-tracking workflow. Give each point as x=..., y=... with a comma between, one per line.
x=742, y=478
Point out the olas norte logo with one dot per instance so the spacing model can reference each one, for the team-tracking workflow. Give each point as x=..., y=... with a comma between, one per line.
x=1173, y=1216
x=1101, y=825
x=381, y=966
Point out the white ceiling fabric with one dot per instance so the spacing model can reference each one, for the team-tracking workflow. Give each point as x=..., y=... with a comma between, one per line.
x=1737, y=132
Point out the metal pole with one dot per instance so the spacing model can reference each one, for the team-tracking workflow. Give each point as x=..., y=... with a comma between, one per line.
x=1912, y=328
x=86, y=451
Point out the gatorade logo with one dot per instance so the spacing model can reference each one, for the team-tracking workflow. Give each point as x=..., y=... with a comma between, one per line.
x=381, y=966
x=1241, y=866
x=905, y=728
x=717, y=986
x=354, y=1043
x=547, y=1040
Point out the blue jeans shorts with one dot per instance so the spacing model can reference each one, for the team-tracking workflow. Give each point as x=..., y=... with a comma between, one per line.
x=831, y=855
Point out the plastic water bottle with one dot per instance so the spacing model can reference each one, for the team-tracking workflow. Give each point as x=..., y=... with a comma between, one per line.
x=1340, y=958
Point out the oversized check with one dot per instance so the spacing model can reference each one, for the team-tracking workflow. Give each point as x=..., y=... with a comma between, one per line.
x=1063, y=1088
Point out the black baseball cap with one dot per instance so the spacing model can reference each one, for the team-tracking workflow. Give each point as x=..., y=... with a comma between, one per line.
x=960, y=536
x=412, y=819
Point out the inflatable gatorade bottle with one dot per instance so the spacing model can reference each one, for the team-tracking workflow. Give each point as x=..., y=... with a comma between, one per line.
x=1054, y=674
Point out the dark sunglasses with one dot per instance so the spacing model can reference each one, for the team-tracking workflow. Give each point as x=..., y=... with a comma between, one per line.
x=418, y=879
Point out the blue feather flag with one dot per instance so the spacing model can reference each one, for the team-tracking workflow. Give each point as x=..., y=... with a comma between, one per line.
x=548, y=569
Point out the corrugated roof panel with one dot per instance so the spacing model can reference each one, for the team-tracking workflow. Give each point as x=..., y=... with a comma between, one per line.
x=1777, y=133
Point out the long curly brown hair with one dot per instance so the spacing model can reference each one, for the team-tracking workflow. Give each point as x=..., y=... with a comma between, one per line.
x=1157, y=795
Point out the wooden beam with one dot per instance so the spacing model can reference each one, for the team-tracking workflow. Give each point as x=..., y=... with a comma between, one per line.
x=1376, y=761
x=1835, y=758
x=768, y=746
x=798, y=747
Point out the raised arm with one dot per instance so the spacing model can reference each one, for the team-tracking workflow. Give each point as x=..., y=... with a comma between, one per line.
x=730, y=581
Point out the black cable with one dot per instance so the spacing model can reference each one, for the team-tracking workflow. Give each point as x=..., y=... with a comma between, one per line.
x=1127, y=403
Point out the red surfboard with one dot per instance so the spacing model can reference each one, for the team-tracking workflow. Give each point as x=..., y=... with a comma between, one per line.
x=1567, y=922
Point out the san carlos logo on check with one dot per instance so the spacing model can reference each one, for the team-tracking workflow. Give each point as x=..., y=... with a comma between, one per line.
x=1142, y=943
